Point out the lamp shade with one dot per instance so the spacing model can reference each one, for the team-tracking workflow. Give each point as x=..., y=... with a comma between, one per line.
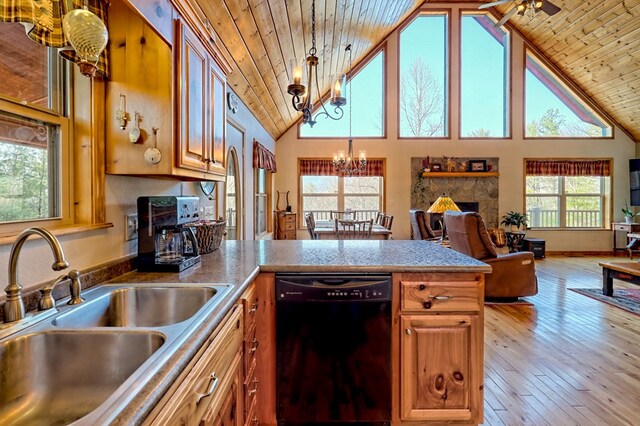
x=443, y=204
x=88, y=36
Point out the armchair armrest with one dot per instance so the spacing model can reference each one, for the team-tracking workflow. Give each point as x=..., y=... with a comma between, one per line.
x=512, y=275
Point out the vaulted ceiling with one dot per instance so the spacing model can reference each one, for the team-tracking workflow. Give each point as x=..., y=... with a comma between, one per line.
x=595, y=43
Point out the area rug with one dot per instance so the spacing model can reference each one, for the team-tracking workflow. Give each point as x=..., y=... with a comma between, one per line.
x=623, y=298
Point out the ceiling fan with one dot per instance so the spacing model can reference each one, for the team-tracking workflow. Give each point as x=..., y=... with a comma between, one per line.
x=521, y=7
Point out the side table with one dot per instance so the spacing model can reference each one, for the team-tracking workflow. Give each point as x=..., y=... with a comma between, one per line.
x=514, y=240
x=627, y=228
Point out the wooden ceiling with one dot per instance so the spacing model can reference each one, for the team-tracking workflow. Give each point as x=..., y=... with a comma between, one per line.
x=595, y=43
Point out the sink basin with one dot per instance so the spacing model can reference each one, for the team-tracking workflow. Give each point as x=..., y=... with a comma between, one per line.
x=57, y=377
x=139, y=307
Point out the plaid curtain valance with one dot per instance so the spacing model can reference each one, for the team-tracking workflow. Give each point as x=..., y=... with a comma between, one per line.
x=324, y=167
x=568, y=167
x=263, y=158
x=43, y=23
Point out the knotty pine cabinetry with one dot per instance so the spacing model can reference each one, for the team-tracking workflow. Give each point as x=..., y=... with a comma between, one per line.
x=441, y=347
x=209, y=390
x=251, y=304
x=176, y=86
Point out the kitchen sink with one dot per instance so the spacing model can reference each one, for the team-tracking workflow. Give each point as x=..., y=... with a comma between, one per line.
x=139, y=307
x=56, y=377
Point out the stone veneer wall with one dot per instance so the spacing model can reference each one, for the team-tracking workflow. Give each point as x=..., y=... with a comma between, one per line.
x=483, y=190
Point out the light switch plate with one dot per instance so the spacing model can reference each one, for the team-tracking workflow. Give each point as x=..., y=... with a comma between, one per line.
x=131, y=226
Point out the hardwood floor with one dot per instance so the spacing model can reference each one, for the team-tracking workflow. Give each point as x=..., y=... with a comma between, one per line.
x=566, y=359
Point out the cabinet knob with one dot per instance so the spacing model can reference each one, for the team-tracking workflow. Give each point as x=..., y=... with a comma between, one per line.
x=213, y=384
x=408, y=331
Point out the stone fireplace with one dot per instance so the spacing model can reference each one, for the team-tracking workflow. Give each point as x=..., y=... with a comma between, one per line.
x=470, y=191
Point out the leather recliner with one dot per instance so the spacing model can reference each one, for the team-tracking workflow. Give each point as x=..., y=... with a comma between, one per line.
x=513, y=275
x=420, y=228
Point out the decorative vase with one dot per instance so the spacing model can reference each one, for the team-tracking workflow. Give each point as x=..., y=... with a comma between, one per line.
x=628, y=219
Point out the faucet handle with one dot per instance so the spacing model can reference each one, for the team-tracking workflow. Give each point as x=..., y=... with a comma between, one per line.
x=75, y=288
x=47, y=301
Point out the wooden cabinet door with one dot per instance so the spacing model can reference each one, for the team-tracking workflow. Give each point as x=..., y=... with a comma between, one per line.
x=217, y=119
x=193, y=60
x=441, y=368
x=230, y=412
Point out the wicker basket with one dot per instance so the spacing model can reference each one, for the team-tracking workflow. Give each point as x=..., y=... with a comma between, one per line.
x=209, y=235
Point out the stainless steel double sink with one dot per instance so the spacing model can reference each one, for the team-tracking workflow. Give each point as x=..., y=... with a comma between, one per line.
x=86, y=362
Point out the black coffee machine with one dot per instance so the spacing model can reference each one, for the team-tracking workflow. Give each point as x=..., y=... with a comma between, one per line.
x=164, y=242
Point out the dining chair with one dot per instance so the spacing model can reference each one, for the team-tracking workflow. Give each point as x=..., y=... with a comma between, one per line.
x=343, y=215
x=379, y=219
x=311, y=225
x=353, y=229
x=387, y=221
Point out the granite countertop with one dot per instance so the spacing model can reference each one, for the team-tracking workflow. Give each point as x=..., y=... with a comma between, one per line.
x=238, y=263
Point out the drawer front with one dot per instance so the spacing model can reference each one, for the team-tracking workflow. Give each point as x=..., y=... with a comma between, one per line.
x=251, y=386
x=205, y=379
x=621, y=227
x=429, y=296
x=250, y=350
x=290, y=218
x=290, y=226
x=252, y=417
x=251, y=304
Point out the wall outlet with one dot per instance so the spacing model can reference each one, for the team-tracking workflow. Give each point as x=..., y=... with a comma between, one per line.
x=130, y=227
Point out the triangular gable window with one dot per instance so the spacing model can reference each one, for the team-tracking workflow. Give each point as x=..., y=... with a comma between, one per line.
x=552, y=109
x=366, y=92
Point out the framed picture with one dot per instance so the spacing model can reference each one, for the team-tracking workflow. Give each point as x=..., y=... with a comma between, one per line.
x=477, y=165
x=436, y=167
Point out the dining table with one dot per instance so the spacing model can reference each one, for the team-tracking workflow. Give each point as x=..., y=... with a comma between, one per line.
x=325, y=230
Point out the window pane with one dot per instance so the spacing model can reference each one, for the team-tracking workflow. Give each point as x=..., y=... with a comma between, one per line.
x=319, y=184
x=261, y=215
x=423, y=77
x=28, y=180
x=543, y=211
x=366, y=90
x=24, y=66
x=582, y=184
x=484, y=85
x=363, y=204
x=362, y=185
x=584, y=212
x=543, y=185
x=319, y=204
x=553, y=110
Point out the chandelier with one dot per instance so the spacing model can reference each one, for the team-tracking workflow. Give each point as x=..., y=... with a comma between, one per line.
x=302, y=94
x=347, y=166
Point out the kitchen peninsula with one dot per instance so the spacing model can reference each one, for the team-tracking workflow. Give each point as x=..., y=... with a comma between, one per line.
x=437, y=317
x=428, y=338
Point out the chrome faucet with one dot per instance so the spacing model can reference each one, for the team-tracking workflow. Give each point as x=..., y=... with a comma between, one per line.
x=14, y=306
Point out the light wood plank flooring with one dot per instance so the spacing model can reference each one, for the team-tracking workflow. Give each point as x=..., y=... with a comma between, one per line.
x=565, y=360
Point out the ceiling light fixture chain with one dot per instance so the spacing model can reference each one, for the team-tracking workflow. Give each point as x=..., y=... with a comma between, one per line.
x=301, y=94
x=349, y=165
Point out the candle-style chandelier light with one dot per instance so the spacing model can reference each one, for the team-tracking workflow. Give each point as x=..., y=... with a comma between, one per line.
x=302, y=94
x=347, y=166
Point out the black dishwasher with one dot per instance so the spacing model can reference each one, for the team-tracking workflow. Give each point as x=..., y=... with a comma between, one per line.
x=333, y=347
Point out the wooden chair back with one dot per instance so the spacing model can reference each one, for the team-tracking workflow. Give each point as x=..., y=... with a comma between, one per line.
x=387, y=221
x=343, y=215
x=311, y=225
x=353, y=229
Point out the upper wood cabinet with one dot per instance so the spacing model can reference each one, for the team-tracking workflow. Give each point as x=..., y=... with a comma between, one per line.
x=177, y=88
x=201, y=91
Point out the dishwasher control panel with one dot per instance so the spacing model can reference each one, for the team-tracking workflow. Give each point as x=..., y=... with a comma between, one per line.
x=333, y=287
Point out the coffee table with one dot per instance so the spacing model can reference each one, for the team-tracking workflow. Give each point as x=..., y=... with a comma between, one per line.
x=625, y=271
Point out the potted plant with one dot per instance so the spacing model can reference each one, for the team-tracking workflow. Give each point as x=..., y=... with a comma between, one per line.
x=515, y=219
x=628, y=214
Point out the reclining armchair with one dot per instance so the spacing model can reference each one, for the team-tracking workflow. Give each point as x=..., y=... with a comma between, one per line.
x=420, y=228
x=513, y=274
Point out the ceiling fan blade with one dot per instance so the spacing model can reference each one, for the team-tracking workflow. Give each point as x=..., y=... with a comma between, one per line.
x=549, y=8
x=506, y=17
x=493, y=3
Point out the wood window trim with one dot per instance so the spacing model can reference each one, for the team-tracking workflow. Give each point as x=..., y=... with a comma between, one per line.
x=83, y=175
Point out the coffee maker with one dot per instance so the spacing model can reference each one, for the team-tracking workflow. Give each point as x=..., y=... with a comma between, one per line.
x=165, y=241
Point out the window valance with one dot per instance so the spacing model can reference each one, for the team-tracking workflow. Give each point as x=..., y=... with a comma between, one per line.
x=324, y=167
x=43, y=23
x=568, y=167
x=263, y=158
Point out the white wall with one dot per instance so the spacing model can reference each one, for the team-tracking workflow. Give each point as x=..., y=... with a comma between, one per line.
x=511, y=152
x=87, y=249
